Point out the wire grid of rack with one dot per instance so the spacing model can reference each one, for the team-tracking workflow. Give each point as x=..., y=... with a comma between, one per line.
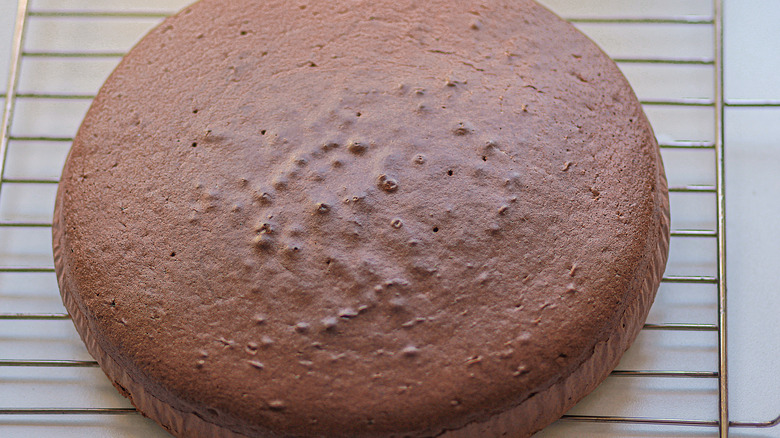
x=16, y=262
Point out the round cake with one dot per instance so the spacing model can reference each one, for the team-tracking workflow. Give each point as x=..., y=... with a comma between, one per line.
x=385, y=218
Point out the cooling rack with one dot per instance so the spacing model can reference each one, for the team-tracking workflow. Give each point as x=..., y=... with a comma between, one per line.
x=672, y=52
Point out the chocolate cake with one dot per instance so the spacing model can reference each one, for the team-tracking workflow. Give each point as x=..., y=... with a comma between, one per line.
x=361, y=218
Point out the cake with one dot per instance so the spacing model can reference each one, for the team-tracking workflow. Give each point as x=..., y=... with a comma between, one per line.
x=361, y=218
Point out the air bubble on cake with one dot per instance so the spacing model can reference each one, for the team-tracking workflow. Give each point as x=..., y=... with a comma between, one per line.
x=251, y=348
x=292, y=175
x=264, y=227
x=480, y=174
x=410, y=351
x=355, y=198
x=397, y=303
x=262, y=241
x=263, y=197
x=410, y=323
x=357, y=147
x=463, y=128
x=347, y=313
x=227, y=343
x=396, y=282
x=514, y=179
x=277, y=405
x=473, y=360
x=491, y=147
x=520, y=370
x=387, y=183
x=329, y=145
x=318, y=175
x=506, y=354
x=329, y=323
x=301, y=161
x=453, y=81
x=281, y=182
x=423, y=268
x=292, y=249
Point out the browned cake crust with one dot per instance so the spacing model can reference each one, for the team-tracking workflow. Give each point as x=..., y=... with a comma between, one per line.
x=344, y=218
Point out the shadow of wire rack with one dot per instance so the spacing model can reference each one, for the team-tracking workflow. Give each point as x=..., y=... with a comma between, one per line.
x=62, y=50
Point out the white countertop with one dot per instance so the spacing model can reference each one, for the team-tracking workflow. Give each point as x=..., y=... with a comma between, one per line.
x=752, y=63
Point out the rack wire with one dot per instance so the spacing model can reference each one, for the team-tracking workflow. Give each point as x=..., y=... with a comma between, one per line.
x=718, y=103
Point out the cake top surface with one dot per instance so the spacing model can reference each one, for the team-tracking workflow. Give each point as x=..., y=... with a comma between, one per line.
x=383, y=216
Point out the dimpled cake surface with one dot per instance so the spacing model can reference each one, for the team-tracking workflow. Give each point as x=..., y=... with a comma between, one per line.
x=361, y=218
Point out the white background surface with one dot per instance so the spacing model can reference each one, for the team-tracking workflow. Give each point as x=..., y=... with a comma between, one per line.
x=753, y=185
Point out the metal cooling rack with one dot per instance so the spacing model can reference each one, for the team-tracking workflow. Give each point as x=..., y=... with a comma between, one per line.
x=16, y=264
